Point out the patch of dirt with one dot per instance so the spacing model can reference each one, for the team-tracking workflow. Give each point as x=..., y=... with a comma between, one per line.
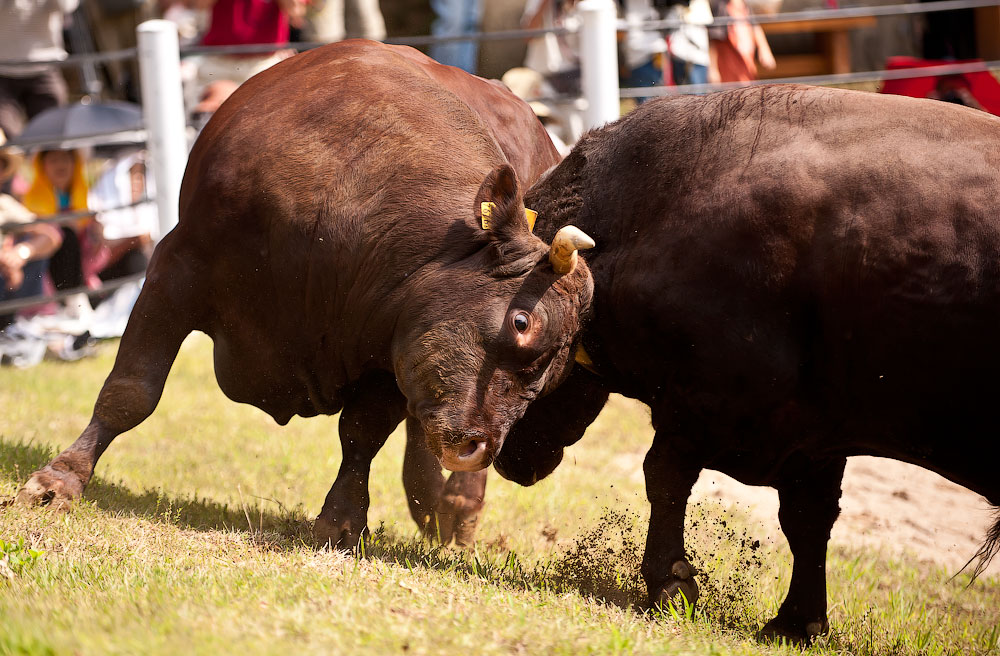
x=887, y=505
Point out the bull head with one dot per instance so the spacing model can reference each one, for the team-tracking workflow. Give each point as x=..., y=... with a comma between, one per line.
x=497, y=333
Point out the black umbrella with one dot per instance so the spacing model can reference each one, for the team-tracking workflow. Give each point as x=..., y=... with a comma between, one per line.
x=77, y=125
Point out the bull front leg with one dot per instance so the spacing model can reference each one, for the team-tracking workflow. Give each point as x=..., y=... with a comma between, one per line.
x=165, y=312
x=670, y=475
x=370, y=414
x=809, y=505
x=443, y=510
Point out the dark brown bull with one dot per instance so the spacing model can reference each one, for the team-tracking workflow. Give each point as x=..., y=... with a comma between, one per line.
x=787, y=276
x=330, y=242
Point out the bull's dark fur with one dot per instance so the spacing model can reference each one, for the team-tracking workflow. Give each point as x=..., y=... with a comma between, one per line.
x=329, y=243
x=787, y=276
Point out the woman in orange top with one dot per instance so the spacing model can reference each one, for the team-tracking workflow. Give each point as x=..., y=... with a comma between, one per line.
x=59, y=186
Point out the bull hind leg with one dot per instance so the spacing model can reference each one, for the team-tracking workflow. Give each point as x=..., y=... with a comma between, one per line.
x=164, y=314
x=443, y=510
x=371, y=412
x=809, y=505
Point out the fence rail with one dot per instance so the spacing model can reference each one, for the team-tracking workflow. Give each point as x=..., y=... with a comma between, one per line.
x=819, y=80
x=69, y=217
x=111, y=138
x=503, y=35
x=8, y=307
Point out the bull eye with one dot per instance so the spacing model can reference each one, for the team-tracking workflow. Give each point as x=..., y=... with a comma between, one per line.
x=521, y=322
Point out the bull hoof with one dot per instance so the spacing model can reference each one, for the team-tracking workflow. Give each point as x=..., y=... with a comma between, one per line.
x=680, y=587
x=52, y=488
x=345, y=535
x=456, y=518
x=792, y=631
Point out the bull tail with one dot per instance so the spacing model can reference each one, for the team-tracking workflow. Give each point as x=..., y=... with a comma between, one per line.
x=989, y=549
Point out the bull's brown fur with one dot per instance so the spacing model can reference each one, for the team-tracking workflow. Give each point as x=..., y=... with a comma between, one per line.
x=328, y=243
x=787, y=276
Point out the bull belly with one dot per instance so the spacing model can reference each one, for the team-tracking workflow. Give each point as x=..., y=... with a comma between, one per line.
x=258, y=375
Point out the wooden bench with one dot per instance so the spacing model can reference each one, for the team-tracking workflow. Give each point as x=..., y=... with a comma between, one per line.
x=834, y=54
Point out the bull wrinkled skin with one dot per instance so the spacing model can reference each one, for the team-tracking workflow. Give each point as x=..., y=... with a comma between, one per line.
x=787, y=276
x=330, y=244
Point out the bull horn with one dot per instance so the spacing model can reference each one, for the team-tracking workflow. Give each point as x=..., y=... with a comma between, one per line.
x=562, y=253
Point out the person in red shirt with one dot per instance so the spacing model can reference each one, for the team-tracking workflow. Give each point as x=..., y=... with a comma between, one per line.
x=242, y=22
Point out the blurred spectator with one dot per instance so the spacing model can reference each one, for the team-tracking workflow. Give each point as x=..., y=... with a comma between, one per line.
x=555, y=61
x=736, y=48
x=242, y=22
x=555, y=57
x=31, y=30
x=452, y=18
x=529, y=85
x=59, y=186
x=112, y=25
x=332, y=20
x=191, y=21
x=24, y=249
x=688, y=44
x=128, y=224
x=642, y=50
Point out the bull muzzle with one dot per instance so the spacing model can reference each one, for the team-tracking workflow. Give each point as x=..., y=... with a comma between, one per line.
x=467, y=453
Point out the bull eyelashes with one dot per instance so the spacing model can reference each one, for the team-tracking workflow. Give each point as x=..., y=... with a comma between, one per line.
x=562, y=252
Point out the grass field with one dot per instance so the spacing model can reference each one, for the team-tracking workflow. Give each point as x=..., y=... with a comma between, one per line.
x=193, y=539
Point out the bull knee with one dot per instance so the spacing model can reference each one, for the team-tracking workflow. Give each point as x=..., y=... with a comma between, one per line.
x=125, y=402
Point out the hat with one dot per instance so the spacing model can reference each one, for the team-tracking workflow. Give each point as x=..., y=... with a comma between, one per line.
x=527, y=83
x=10, y=159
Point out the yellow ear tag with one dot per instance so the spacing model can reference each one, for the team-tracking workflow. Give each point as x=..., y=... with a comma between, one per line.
x=486, y=210
x=486, y=213
x=530, y=215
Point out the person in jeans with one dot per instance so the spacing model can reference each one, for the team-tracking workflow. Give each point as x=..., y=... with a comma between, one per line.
x=452, y=18
x=24, y=246
x=30, y=30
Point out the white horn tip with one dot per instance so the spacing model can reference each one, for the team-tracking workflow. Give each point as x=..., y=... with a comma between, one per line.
x=580, y=239
x=562, y=252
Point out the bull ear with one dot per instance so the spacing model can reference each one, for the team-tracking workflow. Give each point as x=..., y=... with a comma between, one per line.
x=499, y=206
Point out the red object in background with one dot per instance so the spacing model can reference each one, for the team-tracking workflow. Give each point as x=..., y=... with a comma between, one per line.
x=246, y=22
x=981, y=85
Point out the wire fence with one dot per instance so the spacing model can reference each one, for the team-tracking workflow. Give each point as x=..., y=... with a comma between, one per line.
x=70, y=217
x=623, y=25
x=876, y=11
x=842, y=78
x=9, y=307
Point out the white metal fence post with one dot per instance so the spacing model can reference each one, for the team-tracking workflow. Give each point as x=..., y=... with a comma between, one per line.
x=163, y=108
x=599, y=61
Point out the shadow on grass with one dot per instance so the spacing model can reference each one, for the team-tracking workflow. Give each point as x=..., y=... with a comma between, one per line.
x=603, y=563
x=18, y=460
x=591, y=567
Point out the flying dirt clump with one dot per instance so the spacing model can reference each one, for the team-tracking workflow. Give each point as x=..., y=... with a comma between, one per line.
x=605, y=563
x=729, y=575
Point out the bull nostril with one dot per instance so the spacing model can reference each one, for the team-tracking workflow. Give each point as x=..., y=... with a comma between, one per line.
x=470, y=448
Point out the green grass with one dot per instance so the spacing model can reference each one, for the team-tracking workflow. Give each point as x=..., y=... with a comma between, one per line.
x=192, y=539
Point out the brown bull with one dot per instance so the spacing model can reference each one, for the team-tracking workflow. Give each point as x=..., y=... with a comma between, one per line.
x=332, y=246
x=787, y=276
